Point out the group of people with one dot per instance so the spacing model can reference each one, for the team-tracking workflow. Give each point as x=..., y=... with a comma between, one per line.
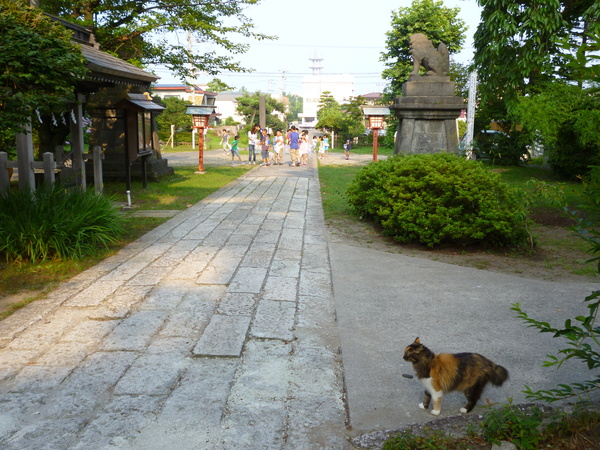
x=272, y=147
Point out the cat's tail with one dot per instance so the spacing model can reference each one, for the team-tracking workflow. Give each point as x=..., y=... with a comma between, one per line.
x=498, y=375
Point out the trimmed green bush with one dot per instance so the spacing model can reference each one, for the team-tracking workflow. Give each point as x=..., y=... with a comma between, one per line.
x=51, y=223
x=439, y=199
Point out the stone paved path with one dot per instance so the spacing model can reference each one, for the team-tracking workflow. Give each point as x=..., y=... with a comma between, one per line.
x=216, y=330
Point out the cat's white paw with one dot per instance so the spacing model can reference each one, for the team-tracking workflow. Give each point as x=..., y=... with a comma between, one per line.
x=422, y=406
x=463, y=410
x=435, y=412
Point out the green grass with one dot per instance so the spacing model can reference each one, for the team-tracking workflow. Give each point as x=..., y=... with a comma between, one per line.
x=364, y=150
x=334, y=182
x=177, y=191
x=518, y=176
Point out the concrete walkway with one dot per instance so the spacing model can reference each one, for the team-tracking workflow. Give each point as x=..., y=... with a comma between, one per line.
x=214, y=331
x=239, y=324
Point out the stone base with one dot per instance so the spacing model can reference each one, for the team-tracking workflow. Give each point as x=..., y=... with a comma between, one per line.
x=114, y=170
x=427, y=136
x=427, y=116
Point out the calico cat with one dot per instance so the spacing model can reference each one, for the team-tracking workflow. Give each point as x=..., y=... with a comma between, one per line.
x=465, y=372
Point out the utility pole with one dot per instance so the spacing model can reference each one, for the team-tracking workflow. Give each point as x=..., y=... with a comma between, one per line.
x=283, y=78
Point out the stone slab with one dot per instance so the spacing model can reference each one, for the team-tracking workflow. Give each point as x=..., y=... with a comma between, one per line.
x=224, y=336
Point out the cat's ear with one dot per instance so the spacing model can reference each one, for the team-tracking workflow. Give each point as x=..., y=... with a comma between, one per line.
x=417, y=341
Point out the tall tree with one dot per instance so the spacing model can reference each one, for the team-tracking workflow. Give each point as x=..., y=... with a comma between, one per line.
x=329, y=114
x=248, y=106
x=139, y=30
x=519, y=44
x=430, y=17
x=175, y=113
x=345, y=119
x=218, y=85
x=354, y=116
x=39, y=67
x=296, y=105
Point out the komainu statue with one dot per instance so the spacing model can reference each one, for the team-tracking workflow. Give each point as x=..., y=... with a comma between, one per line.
x=435, y=62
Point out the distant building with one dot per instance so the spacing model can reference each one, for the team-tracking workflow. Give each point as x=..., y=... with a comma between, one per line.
x=227, y=103
x=372, y=98
x=341, y=88
x=190, y=94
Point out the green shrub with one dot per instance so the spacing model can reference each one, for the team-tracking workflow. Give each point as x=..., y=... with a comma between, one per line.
x=437, y=199
x=519, y=425
x=53, y=223
x=506, y=149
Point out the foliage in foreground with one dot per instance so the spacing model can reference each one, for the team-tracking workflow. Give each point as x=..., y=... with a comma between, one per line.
x=528, y=427
x=49, y=223
x=39, y=65
x=434, y=199
x=582, y=332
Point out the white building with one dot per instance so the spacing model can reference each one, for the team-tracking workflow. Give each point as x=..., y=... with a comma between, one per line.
x=341, y=88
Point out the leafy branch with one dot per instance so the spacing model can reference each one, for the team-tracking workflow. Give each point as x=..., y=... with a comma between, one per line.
x=583, y=332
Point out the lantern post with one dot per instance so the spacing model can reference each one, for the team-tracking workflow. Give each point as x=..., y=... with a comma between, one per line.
x=376, y=117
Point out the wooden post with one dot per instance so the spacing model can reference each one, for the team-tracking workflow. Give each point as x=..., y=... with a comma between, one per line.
x=49, y=166
x=375, y=143
x=77, y=144
x=200, y=151
x=262, y=111
x=25, y=159
x=4, y=180
x=97, y=161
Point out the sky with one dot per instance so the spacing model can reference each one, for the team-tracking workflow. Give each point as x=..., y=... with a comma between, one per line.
x=348, y=39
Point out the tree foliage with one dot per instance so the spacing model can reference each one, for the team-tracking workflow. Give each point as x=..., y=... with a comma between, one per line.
x=534, y=58
x=139, y=30
x=218, y=85
x=39, y=68
x=296, y=107
x=566, y=119
x=344, y=118
x=329, y=114
x=248, y=107
x=519, y=44
x=430, y=17
x=173, y=114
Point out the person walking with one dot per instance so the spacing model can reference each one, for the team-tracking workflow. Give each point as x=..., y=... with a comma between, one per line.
x=278, y=148
x=326, y=145
x=321, y=147
x=294, y=142
x=225, y=141
x=265, y=143
x=252, y=143
x=234, y=150
x=348, y=147
x=304, y=147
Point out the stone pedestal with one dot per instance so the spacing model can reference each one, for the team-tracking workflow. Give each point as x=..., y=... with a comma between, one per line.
x=427, y=114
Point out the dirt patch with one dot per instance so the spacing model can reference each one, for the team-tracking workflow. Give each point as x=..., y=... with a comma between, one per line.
x=559, y=255
x=8, y=302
